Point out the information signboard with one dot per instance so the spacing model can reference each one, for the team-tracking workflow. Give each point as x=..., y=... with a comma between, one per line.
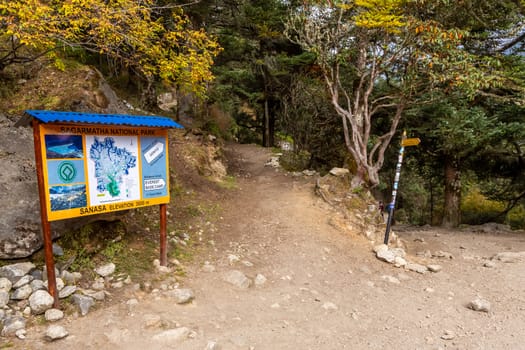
x=98, y=169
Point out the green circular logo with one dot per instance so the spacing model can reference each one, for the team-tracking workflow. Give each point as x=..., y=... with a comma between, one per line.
x=67, y=172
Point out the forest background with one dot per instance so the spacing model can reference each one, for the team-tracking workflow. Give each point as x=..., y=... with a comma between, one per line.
x=335, y=81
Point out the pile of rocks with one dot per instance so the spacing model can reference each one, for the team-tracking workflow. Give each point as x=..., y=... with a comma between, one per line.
x=23, y=294
x=398, y=258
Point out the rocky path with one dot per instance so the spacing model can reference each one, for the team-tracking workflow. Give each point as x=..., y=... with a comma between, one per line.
x=276, y=275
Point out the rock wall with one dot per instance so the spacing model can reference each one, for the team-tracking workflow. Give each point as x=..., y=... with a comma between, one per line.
x=20, y=219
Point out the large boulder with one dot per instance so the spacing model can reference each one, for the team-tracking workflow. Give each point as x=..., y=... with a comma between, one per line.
x=20, y=220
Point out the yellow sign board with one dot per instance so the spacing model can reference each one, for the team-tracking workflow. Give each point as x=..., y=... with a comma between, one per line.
x=103, y=168
x=410, y=142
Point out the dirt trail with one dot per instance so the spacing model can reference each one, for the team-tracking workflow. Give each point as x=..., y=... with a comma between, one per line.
x=324, y=288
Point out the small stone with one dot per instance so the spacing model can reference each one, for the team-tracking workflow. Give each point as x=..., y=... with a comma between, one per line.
x=83, y=302
x=38, y=285
x=429, y=290
x=152, y=321
x=386, y=255
x=181, y=296
x=172, y=335
x=510, y=257
x=212, y=345
x=22, y=293
x=71, y=277
x=23, y=281
x=390, y=279
x=489, y=264
x=442, y=254
x=479, y=304
x=21, y=333
x=339, y=171
x=98, y=284
x=59, y=283
x=260, y=280
x=105, y=270
x=13, y=324
x=448, y=335
x=238, y=279
x=329, y=306
x=4, y=299
x=232, y=258
x=27, y=311
x=208, y=267
x=400, y=262
x=57, y=250
x=416, y=268
x=5, y=284
x=55, y=332
x=14, y=272
x=117, y=285
x=247, y=263
x=98, y=295
x=131, y=304
x=434, y=268
x=67, y=291
x=40, y=301
x=53, y=315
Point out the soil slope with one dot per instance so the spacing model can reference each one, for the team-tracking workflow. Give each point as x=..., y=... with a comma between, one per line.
x=324, y=290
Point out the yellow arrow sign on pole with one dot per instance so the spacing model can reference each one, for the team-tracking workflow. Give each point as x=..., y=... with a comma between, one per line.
x=410, y=142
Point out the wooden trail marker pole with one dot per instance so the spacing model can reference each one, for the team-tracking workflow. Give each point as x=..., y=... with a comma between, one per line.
x=46, y=226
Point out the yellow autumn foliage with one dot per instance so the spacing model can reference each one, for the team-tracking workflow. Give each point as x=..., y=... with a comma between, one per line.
x=156, y=43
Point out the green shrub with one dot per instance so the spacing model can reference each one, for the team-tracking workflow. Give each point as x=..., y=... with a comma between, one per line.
x=516, y=218
x=476, y=209
x=295, y=161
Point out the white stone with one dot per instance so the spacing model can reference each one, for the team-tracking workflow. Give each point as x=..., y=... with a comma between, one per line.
x=23, y=281
x=4, y=298
x=52, y=315
x=339, y=171
x=260, y=280
x=329, y=306
x=390, y=279
x=181, y=296
x=67, y=291
x=5, y=284
x=172, y=335
x=55, y=332
x=40, y=301
x=212, y=345
x=238, y=279
x=479, y=304
x=400, y=262
x=232, y=258
x=22, y=293
x=416, y=268
x=59, y=283
x=510, y=257
x=208, y=267
x=14, y=272
x=105, y=270
x=434, y=268
x=21, y=333
x=152, y=321
x=38, y=285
